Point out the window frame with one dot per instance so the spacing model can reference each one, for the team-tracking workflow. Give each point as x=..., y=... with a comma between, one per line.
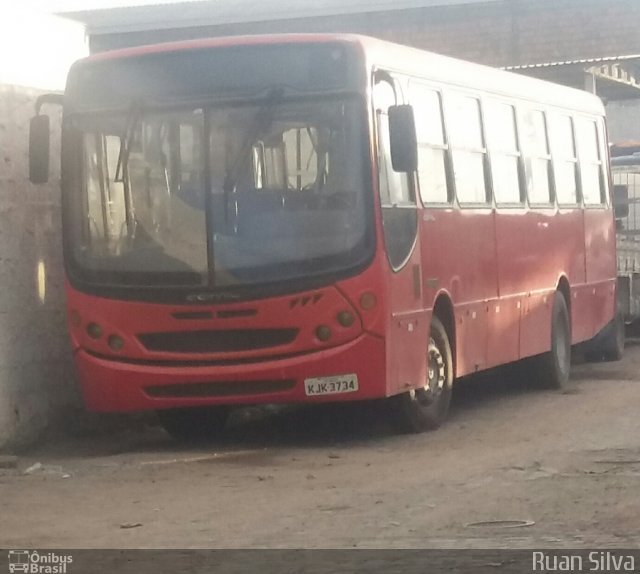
x=572, y=160
x=518, y=154
x=445, y=147
x=409, y=178
x=448, y=95
x=602, y=184
x=523, y=109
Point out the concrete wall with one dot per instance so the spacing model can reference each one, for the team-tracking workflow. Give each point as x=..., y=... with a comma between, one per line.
x=36, y=376
x=507, y=32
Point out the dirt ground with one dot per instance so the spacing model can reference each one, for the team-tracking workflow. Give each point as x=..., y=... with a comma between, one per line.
x=565, y=465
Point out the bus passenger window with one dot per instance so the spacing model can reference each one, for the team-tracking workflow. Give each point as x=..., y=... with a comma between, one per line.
x=432, y=148
x=590, y=162
x=563, y=149
x=468, y=151
x=502, y=141
x=397, y=199
x=537, y=157
x=394, y=186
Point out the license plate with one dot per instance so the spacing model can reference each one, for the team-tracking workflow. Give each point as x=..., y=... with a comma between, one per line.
x=331, y=385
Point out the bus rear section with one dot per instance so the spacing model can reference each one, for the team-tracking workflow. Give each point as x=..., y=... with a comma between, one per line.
x=625, y=163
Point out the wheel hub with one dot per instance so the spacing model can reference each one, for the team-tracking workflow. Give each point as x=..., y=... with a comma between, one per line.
x=436, y=376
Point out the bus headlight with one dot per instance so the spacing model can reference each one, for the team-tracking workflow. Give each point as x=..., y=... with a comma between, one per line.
x=323, y=333
x=345, y=318
x=115, y=343
x=94, y=330
x=368, y=301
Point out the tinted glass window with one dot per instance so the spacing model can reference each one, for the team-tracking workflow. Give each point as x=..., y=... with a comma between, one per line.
x=432, y=149
x=590, y=164
x=206, y=73
x=394, y=186
x=399, y=215
x=468, y=152
x=502, y=141
x=536, y=156
x=564, y=159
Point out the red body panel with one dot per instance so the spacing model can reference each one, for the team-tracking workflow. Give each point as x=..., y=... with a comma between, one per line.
x=463, y=264
x=408, y=328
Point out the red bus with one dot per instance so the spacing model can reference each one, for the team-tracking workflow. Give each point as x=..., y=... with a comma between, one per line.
x=312, y=218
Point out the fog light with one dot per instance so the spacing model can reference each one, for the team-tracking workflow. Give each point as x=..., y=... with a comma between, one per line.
x=368, y=301
x=323, y=333
x=345, y=318
x=115, y=343
x=94, y=330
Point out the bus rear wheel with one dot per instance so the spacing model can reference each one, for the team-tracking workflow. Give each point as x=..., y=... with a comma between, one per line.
x=553, y=367
x=195, y=423
x=608, y=345
x=425, y=408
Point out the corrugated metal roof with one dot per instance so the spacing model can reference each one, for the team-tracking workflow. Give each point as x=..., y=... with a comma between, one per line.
x=218, y=12
x=614, y=78
x=587, y=61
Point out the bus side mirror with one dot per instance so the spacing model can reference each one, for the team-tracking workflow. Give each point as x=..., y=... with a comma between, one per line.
x=39, y=149
x=620, y=201
x=402, y=139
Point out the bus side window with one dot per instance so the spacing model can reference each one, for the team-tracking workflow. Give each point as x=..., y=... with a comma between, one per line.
x=397, y=198
x=563, y=150
x=591, y=173
x=468, y=151
x=432, y=146
x=536, y=156
x=502, y=141
x=394, y=186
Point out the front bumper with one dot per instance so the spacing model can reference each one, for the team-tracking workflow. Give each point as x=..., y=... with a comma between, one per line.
x=119, y=386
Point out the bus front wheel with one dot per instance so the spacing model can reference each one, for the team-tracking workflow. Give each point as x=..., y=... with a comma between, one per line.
x=425, y=408
x=195, y=423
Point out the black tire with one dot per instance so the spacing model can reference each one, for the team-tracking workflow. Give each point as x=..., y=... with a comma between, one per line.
x=194, y=424
x=553, y=368
x=613, y=345
x=608, y=345
x=426, y=408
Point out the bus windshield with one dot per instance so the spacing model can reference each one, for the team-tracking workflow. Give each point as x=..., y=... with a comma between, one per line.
x=220, y=195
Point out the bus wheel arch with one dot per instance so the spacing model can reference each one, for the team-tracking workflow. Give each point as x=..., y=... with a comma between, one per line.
x=443, y=311
x=565, y=290
x=426, y=407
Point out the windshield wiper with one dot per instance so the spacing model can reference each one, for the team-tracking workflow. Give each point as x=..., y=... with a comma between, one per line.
x=126, y=140
x=261, y=122
x=122, y=167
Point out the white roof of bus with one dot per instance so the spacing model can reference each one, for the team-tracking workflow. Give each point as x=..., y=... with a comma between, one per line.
x=439, y=68
x=404, y=59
